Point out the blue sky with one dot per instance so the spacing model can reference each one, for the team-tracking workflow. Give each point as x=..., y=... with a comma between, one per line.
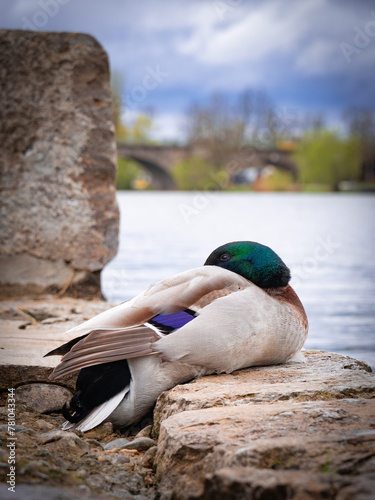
x=309, y=55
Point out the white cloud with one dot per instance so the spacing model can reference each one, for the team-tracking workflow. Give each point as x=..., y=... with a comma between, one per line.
x=320, y=57
x=321, y=54
x=22, y=7
x=270, y=44
x=169, y=127
x=261, y=32
x=304, y=37
x=173, y=16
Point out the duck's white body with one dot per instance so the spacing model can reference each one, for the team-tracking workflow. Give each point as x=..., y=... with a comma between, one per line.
x=238, y=325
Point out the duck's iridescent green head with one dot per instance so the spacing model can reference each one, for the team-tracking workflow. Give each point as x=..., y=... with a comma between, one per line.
x=255, y=262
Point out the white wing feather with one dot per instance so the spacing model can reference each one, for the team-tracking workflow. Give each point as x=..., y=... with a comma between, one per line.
x=98, y=414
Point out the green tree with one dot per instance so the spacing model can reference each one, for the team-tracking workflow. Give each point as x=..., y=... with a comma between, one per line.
x=127, y=172
x=196, y=174
x=361, y=122
x=138, y=131
x=324, y=157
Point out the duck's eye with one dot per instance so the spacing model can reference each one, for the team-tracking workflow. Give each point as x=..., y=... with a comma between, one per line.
x=224, y=257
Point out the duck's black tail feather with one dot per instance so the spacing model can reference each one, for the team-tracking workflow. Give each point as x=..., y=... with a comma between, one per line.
x=95, y=385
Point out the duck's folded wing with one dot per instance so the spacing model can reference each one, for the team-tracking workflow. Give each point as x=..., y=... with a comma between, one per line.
x=107, y=345
x=194, y=288
x=119, y=333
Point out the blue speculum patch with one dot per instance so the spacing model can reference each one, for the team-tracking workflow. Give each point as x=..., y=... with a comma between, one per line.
x=171, y=322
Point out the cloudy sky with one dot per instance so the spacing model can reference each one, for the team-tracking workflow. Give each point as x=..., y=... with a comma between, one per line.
x=309, y=55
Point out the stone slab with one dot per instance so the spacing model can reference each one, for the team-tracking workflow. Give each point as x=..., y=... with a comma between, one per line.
x=316, y=419
x=324, y=375
x=59, y=216
x=31, y=328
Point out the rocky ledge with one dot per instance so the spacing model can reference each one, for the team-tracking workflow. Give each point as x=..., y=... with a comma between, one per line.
x=295, y=431
x=289, y=431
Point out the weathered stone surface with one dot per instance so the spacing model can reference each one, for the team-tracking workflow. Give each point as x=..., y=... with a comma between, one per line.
x=37, y=492
x=43, y=398
x=315, y=418
x=63, y=442
x=59, y=464
x=31, y=328
x=51, y=461
x=17, y=428
x=247, y=483
x=43, y=425
x=317, y=436
x=325, y=375
x=59, y=217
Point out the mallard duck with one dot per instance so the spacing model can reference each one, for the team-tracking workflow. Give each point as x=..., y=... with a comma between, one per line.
x=236, y=311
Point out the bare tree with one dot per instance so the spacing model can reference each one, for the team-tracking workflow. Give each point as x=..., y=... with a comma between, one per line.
x=222, y=126
x=116, y=84
x=361, y=122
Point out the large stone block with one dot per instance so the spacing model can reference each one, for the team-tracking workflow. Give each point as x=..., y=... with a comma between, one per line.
x=293, y=431
x=59, y=217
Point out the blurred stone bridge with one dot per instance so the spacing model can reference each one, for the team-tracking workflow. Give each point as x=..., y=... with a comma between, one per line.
x=158, y=161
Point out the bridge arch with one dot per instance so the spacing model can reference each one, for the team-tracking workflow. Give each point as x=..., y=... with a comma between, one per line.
x=158, y=160
x=161, y=179
x=281, y=160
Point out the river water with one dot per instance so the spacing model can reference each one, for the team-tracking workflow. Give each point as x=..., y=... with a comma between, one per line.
x=327, y=240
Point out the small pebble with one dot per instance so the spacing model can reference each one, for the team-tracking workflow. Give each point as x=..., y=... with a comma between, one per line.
x=94, y=443
x=149, y=457
x=57, y=434
x=18, y=428
x=145, y=432
x=121, y=460
x=100, y=432
x=140, y=444
x=43, y=425
x=42, y=397
x=116, y=443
